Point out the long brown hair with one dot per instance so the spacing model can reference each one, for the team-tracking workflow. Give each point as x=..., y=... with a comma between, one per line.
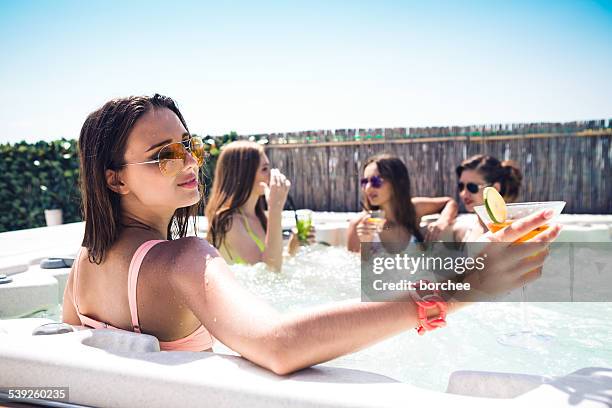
x=232, y=185
x=506, y=173
x=102, y=146
x=393, y=170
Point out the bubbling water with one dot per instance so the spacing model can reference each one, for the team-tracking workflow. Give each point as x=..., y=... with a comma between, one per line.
x=316, y=275
x=320, y=274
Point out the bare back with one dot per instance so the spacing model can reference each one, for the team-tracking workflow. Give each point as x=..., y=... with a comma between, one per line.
x=103, y=289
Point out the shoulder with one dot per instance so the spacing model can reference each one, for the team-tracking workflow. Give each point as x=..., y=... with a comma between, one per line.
x=181, y=256
x=191, y=248
x=188, y=260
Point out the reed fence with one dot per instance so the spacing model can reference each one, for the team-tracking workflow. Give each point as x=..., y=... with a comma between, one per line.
x=574, y=167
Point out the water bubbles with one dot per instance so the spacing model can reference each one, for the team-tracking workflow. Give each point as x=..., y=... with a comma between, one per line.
x=317, y=274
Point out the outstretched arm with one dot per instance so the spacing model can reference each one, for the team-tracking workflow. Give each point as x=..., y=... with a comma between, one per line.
x=280, y=343
x=286, y=343
x=446, y=206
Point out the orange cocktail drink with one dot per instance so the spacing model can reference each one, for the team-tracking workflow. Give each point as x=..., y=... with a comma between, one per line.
x=377, y=217
x=496, y=227
x=496, y=214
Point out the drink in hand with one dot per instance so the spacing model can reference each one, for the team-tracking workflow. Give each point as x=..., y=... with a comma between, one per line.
x=377, y=217
x=496, y=214
x=303, y=224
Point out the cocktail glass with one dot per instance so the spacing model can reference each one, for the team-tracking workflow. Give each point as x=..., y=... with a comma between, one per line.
x=527, y=337
x=377, y=217
x=303, y=224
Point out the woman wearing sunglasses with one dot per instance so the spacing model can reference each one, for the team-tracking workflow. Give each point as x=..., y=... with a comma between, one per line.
x=137, y=269
x=385, y=185
x=238, y=224
x=473, y=175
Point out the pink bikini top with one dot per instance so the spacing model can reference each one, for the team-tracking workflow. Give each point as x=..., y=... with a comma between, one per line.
x=199, y=340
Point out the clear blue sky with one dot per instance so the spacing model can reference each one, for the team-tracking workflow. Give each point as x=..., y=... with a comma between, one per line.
x=283, y=66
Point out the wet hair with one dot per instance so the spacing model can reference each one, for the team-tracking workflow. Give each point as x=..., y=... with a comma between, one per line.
x=102, y=145
x=393, y=170
x=506, y=173
x=235, y=173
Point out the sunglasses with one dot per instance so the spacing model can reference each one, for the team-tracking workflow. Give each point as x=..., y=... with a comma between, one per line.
x=171, y=157
x=375, y=181
x=471, y=187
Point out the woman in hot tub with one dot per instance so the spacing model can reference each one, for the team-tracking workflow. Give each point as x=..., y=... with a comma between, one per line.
x=137, y=269
x=238, y=225
x=473, y=175
x=385, y=185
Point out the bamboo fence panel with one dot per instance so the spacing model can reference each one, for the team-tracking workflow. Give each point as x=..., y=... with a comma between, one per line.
x=575, y=168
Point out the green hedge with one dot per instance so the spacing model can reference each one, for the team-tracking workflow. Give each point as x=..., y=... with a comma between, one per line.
x=35, y=177
x=45, y=175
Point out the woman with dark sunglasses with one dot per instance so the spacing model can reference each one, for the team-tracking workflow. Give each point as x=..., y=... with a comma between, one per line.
x=473, y=175
x=385, y=185
x=138, y=271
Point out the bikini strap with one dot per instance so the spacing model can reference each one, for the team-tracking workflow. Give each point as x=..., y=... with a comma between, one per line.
x=253, y=236
x=133, y=279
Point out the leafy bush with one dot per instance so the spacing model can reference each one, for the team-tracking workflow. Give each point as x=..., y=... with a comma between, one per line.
x=45, y=175
x=213, y=147
x=36, y=177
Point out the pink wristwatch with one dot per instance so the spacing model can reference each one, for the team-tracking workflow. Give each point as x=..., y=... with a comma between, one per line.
x=431, y=301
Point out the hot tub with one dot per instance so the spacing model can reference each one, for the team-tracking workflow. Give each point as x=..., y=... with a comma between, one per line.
x=463, y=358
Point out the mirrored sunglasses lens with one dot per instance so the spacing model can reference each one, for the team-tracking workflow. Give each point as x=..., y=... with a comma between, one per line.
x=171, y=159
x=197, y=150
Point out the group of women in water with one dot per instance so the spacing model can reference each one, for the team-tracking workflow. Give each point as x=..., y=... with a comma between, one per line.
x=138, y=270
x=245, y=185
